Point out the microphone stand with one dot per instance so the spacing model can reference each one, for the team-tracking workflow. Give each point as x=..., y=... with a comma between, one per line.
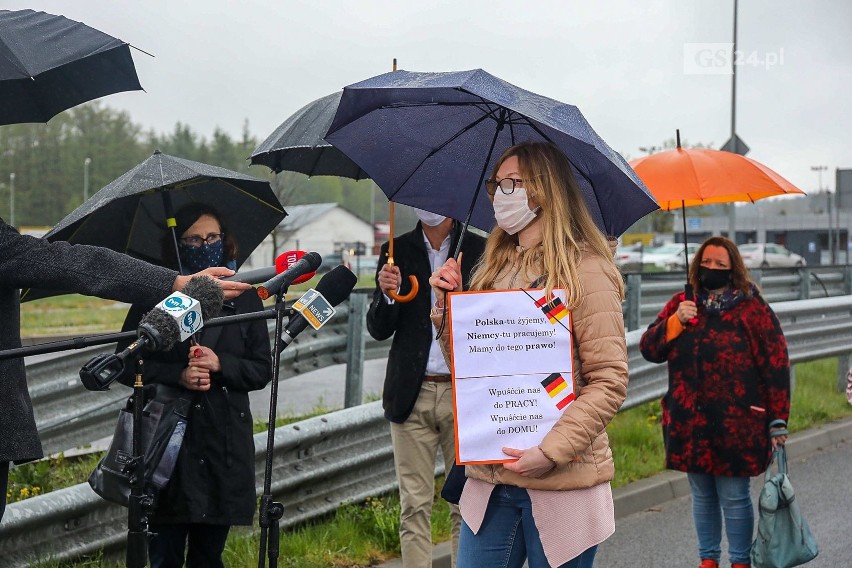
x=271, y=511
x=139, y=503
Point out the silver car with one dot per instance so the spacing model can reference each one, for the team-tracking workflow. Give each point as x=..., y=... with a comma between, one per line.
x=767, y=255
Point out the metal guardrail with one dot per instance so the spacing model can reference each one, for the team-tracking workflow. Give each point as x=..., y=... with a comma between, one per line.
x=68, y=415
x=345, y=456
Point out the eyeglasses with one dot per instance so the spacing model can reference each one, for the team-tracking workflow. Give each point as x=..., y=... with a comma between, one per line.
x=198, y=240
x=506, y=185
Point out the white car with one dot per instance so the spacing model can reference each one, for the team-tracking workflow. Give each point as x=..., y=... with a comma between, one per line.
x=629, y=257
x=766, y=255
x=668, y=257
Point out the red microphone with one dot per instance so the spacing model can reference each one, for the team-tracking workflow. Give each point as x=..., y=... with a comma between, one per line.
x=287, y=259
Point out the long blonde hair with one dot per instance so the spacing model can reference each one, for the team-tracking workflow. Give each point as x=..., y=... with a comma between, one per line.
x=567, y=227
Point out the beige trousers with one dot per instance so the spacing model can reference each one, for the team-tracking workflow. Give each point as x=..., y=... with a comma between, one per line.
x=415, y=447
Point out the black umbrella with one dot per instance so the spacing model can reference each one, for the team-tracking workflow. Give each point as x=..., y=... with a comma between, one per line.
x=298, y=146
x=50, y=63
x=130, y=214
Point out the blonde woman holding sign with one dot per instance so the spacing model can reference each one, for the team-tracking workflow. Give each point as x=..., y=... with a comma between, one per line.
x=552, y=506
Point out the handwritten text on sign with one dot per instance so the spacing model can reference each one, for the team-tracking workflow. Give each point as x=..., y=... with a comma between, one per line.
x=512, y=370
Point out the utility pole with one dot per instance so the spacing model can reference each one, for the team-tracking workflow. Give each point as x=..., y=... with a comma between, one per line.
x=732, y=209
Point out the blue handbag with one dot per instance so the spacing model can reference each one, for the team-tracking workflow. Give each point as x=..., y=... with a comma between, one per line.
x=783, y=536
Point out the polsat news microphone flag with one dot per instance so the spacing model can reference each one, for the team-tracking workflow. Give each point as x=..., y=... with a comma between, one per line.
x=513, y=367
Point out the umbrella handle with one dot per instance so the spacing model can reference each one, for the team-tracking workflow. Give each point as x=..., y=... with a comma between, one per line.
x=415, y=286
x=404, y=298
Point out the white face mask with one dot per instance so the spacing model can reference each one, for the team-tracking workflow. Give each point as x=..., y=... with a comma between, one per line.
x=512, y=211
x=428, y=218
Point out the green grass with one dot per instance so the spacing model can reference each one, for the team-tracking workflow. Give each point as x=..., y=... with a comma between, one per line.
x=364, y=534
x=71, y=314
x=74, y=314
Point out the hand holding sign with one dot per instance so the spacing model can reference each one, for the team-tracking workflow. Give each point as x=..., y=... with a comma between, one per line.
x=512, y=368
x=447, y=278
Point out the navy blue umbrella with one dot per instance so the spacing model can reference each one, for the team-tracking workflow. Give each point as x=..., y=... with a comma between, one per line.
x=429, y=139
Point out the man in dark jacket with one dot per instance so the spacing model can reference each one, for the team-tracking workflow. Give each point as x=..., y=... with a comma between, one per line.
x=30, y=262
x=417, y=396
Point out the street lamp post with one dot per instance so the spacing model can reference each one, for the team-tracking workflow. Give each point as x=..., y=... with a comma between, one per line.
x=819, y=170
x=12, y=199
x=86, y=163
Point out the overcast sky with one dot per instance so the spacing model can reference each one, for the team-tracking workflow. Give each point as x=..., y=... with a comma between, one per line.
x=624, y=63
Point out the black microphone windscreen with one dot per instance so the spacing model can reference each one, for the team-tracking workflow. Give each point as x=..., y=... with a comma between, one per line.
x=160, y=328
x=313, y=259
x=337, y=284
x=208, y=293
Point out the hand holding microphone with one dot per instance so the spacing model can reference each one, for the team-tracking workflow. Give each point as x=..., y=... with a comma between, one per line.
x=230, y=288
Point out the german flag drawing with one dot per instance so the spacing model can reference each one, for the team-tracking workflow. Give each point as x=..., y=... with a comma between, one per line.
x=554, y=309
x=554, y=384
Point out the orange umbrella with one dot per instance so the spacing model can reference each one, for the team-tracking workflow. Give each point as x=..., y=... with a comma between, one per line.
x=688, y=177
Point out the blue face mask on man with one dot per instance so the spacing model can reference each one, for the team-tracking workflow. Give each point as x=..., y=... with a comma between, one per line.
x=195, y=259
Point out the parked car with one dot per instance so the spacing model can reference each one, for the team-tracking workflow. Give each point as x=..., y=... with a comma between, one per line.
x=629, y=257
x=668, y=257
x=765, y=255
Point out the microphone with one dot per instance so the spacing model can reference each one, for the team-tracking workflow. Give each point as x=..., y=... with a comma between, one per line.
x=208, y=293
x=174, y=319
x=308, y=263
x=287, y=259
x=333, y=288
x=284, y=261
x=255, y=276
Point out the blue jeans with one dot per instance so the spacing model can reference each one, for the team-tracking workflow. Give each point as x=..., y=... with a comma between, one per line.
x=713, y=495
x=508, y=536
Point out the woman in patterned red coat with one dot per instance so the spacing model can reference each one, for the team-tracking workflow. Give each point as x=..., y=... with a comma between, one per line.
x=729, y=393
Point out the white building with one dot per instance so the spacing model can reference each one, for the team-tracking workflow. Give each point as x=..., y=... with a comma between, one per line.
x=319, y=227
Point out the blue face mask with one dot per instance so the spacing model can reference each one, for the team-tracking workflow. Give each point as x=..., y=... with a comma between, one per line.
x=195, y=259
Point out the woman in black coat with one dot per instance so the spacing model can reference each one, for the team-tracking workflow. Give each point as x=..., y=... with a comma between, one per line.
x=213, y=484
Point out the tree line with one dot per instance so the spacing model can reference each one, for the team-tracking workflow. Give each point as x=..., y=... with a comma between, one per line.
x=49, y=164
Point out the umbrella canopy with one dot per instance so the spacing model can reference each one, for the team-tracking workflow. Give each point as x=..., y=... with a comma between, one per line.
x=298, y=145
x=428, y=139
x=129, y=214
x=688, y=177
x=50, y=63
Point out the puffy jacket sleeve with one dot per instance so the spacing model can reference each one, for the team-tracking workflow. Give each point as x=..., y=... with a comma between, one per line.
x=599, y=339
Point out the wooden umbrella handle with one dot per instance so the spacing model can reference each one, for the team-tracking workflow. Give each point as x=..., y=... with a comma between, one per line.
x=415, y=285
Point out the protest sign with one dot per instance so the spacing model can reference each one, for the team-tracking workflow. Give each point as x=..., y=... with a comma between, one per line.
x=512, y=369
